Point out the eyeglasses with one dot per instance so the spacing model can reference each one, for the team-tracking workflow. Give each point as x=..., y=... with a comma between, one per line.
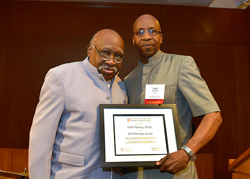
x=151, y=32
x=106, y=56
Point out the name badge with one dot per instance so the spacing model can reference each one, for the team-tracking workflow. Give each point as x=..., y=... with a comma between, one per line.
x=154, y=93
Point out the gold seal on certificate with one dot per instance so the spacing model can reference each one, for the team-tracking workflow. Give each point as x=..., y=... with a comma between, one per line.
x=136, y=135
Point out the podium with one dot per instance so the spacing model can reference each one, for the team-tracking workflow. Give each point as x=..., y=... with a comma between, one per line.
x=240, y=166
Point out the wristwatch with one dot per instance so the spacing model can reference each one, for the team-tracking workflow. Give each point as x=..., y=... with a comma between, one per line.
x=189, y=152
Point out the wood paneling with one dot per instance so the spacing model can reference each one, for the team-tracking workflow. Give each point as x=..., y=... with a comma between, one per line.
x=248, y=39
x=239, y=27
x=248, y=24
x=5, y=155
x=36, y=36
x=12, y=97
x=204, y=171
x=42, y=19
x=13, y=160
x=242, y=96
x=201, y=24
x=19, y=160
x=119, y=17
x=5, y=15
x=3, y=60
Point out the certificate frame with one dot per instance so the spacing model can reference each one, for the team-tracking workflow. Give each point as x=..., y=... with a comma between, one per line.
x=115, y=133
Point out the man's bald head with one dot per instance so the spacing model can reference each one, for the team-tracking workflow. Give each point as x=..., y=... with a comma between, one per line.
x=146, y=18
x=109, y=43
x=147, y=36
x=105, y=33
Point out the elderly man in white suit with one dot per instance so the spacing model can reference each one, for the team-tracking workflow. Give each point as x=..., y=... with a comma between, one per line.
x=65, y=137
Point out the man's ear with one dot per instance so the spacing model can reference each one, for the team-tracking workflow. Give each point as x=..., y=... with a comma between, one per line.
x=161, y=38
x=89, y=50
x=133, y=41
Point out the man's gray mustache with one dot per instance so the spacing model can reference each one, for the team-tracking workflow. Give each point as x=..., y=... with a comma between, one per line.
x=106, y=67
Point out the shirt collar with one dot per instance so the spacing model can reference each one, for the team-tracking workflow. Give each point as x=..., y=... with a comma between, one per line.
x=153, y=58
x=94, y=70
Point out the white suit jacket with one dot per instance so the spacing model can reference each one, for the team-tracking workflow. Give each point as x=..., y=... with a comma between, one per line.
x=66, y=123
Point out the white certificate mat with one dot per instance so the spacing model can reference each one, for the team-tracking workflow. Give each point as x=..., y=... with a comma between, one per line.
x=136, y=135
x=141, y=134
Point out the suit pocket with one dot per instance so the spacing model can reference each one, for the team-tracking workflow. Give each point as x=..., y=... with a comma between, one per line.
x=71, y=159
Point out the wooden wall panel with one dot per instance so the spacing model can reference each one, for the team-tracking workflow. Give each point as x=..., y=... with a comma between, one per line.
x=19, y=160
x=119, y=17
x=13, y=160
x=248, y=40
x=12, y=96
x=204, y=171
x=201, y=24
x=42, y=19
x=36, y=36
x=248, y=24
x=242, y=96
x=239, y=27
x=5, y=155
x=3, y=60
x=5, y=15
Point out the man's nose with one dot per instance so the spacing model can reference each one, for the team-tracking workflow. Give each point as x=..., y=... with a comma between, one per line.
x=146, y=36
x=111, y=61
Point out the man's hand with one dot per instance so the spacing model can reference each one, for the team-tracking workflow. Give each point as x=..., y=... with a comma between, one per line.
x=178, y=161
x=174, y=162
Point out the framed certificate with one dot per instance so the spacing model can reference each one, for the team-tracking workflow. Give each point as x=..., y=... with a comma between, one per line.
x=137, y=134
